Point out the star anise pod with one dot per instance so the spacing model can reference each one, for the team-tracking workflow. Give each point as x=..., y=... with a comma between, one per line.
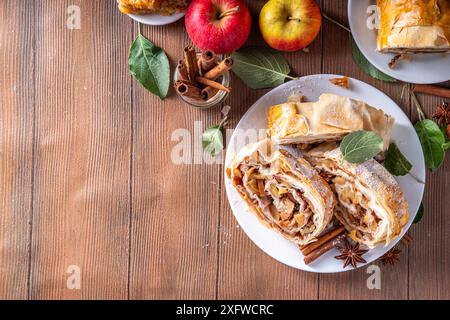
x=442, y=114
x=351, y=254
x=390, y=257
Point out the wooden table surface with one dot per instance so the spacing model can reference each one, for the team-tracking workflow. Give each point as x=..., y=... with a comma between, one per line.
x=86, y=178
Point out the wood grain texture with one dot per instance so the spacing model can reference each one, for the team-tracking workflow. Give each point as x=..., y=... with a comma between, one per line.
x=83, y=150
x=337, y=59
x=89, y=173
x=175, y=205
x=246, y=272
x=429, y=255
x=16, y=146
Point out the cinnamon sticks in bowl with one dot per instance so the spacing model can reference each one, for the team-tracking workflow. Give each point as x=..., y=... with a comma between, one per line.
x=201, y=79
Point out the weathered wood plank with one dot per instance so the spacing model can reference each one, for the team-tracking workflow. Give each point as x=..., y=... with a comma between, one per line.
x=175, y=205
x=83, y=150
x=429, y=255
x=16, y=145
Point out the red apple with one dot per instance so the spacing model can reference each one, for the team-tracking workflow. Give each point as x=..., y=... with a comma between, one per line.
x=290, y=25
x=218, y=25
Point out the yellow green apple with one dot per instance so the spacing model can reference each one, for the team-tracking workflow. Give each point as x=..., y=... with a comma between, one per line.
x=290, y=25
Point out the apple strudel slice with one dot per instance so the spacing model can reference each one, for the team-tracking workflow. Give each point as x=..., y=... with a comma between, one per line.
x=370, y=205
x=286, y=194
x=162, y=7
x=414, y=26
x=329, y=119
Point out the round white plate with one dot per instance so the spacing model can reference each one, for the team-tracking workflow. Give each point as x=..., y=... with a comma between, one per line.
x=156, y=19
x=312, y=87
x=423, y=68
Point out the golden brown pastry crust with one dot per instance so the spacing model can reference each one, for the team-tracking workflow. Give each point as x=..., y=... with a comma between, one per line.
x=414, y=26
x=294, y=180
x=163, y=7
x=328, y=119
x=368, y=182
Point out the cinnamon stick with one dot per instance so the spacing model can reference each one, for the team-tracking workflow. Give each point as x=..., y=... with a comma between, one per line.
x=406, y=239
x=182, y=71
x=224, y=65
x=209, y=92
x=321, y=240
x=327, y=246
x=190, y=59
x=211, y=83
x=207, y=61
x=187, y=89
x=432, y=89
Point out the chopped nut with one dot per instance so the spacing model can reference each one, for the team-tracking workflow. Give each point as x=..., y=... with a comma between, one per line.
x=285, y=215
x=342, y=82
x=300, y=219
x=249, y=172
x=289, y=205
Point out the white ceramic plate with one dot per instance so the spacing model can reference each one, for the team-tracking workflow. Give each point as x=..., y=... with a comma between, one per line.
x=312, y=87
x=156, y=19
x=423, y=68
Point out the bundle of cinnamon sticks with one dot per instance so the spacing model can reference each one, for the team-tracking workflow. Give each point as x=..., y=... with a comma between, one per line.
x=324, y=243
x=199, y=75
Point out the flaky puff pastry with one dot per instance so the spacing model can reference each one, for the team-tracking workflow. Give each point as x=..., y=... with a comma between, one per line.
x=286, y=194
x=371, y=205
x=329, y=119
x=163, y=7
x=414, y=26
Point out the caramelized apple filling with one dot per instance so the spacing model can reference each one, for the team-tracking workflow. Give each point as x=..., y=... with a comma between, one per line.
x=281, y=203
x=356, y=207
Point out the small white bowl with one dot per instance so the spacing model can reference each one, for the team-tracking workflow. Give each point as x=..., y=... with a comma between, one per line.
x=156, y=19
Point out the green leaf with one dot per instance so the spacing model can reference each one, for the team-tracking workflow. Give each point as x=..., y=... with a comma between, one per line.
x=260, y=67
x=365, y=65
x=149, y=65
x=432, y=140
x=212, y=140
x=419, y=213
x=395, y=162
x=446, y=145
x=360, y=146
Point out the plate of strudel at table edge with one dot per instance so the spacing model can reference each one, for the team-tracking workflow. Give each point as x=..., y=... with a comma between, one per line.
x=154, y=12
x=408, y=40
x=300, y=187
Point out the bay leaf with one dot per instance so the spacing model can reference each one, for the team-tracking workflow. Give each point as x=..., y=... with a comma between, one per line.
x=260, y=67
x=212, y=139
x=149, y=65
x=432, y=140
x=365, y=65
x=360, y=146
x=395, y=162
